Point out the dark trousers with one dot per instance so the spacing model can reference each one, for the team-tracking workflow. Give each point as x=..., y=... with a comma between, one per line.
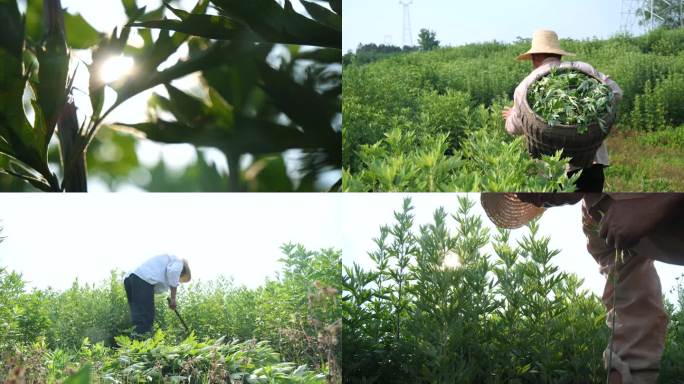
x=591, y=180
x=140, y=295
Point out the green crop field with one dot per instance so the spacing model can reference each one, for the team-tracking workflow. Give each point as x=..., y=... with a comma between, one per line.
x=431, y=121
x=503, y=315
x=285, y=331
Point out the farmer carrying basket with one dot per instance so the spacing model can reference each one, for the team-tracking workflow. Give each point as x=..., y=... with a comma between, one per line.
x=155, y=276
x=639, y=227
x=583, y=144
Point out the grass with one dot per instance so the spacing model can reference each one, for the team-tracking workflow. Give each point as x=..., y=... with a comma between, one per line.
x=664, y=170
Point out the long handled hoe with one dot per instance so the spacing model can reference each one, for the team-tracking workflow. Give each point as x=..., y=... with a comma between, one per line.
x=187, y=330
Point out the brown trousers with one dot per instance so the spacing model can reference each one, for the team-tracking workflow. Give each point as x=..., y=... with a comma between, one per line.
x=640, y=317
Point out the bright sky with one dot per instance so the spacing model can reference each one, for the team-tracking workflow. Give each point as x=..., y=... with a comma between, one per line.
x=460, y=22
x=362, y=215
x=52, y=239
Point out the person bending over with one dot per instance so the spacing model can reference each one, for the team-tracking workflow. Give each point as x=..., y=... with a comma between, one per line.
x=155, y=276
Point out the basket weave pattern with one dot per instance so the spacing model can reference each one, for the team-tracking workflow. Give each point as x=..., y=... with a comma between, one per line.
x=542, y=139
x=506, y=210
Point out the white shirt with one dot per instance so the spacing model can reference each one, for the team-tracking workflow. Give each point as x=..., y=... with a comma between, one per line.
x=161, y=271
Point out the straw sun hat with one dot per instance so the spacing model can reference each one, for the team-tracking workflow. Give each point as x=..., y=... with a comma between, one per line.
x=505, y=210
x=544, y=41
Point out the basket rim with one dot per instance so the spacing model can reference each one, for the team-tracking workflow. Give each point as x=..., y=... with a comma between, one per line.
x=593, y=124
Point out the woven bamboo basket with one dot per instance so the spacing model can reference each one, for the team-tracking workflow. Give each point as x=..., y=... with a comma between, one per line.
x=543, y=139
x=506, y=210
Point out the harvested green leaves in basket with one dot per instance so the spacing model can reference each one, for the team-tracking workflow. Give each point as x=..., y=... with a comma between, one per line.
x=571, y=98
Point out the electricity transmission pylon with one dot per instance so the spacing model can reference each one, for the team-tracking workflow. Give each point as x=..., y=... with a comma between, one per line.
x=630, y=8
x=628, y=15
x=407, y=35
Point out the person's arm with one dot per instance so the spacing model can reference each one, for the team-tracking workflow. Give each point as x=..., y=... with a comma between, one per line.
x=512, y=117
x=173, y=271
x=627, y=221
x=172, y=298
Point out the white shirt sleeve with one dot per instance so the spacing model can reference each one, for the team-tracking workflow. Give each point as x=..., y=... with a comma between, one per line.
x=173, y=272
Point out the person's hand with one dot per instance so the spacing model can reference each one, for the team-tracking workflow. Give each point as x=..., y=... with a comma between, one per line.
x=506, y=112
x=549, y=200
x=172, y=303
x=627, y=221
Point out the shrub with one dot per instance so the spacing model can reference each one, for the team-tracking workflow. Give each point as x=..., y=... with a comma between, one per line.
x=429, y=94
x=508, y=317
x=298, y=314
x=661, y=105
x=488, y=160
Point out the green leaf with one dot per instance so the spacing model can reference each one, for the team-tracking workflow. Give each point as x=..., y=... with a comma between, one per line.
x=213, y=27
x=16, y=168
x=336, y=6
x=163, y=47
x=235, y=82
x=218, y=53
x=268, y=174
x=155, y=14
x=53, y=59
x=280, y=25
x=258, y=136
x=14, y=127
x=112, y=169
x=130, y=7
x=73, y=159
x=34, y=20
x=186, y=108
x=96, y=91
x=5, y=148
x=80, y=377
x=11, y=28
x=297, y=100
x=196, y=23
x=39, y=129
x=323, y=55
x=323, y=15
x=80, y=34
x=251, y=136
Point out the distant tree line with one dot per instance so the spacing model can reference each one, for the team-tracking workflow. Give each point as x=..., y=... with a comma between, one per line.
x=366, y=53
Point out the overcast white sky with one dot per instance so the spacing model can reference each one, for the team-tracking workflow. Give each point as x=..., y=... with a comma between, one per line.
x=362, y=215
x=52, y=239
x=461, y=22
